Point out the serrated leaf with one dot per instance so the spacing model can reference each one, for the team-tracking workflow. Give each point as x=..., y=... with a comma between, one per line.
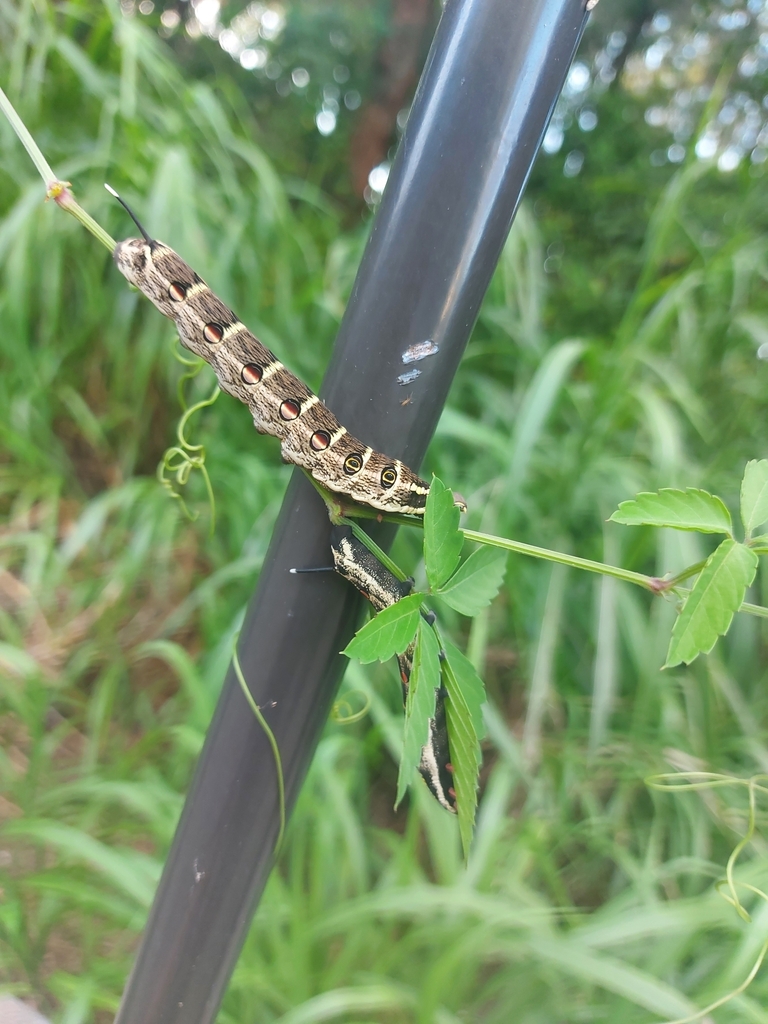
x=476, y=583
x=472, y=686
x=419, y=705
x=754, y=494
x=465, y=751
x=714, y=599
x=691, y=509
x=443, y=540
x=388, y=633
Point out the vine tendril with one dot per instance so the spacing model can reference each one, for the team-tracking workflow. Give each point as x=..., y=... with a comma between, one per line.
x=179, y=461
x=672, y=781
x=272, y=742
x=342, y=712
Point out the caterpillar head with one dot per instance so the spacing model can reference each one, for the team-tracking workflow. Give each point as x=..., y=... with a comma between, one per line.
x=157, y=271
x=133, y=258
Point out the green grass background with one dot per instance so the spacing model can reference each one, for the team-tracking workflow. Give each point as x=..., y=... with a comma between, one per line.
x=587, y=897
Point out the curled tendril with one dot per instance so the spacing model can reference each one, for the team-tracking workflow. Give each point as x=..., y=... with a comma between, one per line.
x=727, y=887
x=343, y=714
x=181, y=459
x=271, y=739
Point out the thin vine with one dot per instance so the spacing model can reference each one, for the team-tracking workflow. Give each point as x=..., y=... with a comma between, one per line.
x=342, y=713
x=272, y=742
x=180, y=460
x=726, y=887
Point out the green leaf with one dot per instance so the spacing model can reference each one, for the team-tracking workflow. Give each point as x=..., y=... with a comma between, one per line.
x=714, y=599
x=472, y=686
x=388, y=633
x=690, y=509
x=476, y=582
x=754, y=495
x=419, y=705
x=442, y=538
x=465, y=747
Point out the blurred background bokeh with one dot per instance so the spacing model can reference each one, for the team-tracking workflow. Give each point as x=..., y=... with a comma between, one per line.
x=621, y=347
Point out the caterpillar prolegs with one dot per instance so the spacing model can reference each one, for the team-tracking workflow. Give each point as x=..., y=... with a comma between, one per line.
x=281, y=404
x=356, y=563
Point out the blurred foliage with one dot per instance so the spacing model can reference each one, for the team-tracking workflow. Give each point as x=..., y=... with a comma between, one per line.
x=616, y=351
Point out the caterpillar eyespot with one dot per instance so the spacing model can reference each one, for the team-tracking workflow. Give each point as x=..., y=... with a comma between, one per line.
x=290, y=409
x=320, y=440
x=213, y=333
x=251, y=373
x=388, y=477
x=178, y=292
x=353, y=464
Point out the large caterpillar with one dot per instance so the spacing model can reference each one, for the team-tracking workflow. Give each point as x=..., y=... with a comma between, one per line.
x=353, y=561
x=310, y=437
x=281, y=405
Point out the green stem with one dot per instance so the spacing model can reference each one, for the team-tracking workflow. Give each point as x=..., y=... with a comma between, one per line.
x=59, y=192
x=54, y=188
x=654, y=584
x=745, y=607
x=182, y=424
x=42, y=165
x=374, y=548
x=651, y=583
x=686, y=574
x=339, y=512
x=754, y=609
x=272, y=742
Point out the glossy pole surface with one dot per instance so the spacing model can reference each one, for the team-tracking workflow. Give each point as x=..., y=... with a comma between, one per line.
x=492, y=77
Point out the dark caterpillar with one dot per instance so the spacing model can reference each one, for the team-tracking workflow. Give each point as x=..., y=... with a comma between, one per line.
x=356, y=563
x=281, y=405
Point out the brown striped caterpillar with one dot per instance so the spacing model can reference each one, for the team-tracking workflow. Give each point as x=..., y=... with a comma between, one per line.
x=281, y=405
x=353, y=561
x=310, y=435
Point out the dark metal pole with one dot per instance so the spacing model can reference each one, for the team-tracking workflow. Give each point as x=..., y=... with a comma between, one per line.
x=492, y=77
